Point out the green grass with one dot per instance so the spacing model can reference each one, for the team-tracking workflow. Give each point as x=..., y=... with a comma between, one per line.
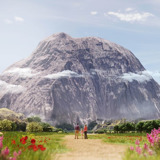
x=51, y=141
x=121, y=138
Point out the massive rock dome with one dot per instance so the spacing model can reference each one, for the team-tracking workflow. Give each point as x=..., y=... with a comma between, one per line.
x=80, y=80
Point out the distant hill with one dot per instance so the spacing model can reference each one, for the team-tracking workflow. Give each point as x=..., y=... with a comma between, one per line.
x=10, y=115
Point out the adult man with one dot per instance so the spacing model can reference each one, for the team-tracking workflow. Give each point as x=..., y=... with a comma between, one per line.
x=77, y=131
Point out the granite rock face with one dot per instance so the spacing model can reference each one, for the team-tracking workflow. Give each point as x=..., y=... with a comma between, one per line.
x=80, y=79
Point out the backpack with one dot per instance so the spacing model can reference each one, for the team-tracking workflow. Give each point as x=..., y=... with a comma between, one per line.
x=77, y=127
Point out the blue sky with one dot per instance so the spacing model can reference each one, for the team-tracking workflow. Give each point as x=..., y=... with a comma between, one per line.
x=134, y=24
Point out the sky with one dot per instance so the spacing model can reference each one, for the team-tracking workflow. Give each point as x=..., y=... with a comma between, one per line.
x=134, y=24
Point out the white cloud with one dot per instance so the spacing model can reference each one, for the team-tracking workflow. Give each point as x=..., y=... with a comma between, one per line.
x=63, y=74
x=8, y=21
x=94, y=13
x=140, y=76
x=18, y=19
x=10, y=88
x=129, y=9
x=131, y=16
x=21, y=72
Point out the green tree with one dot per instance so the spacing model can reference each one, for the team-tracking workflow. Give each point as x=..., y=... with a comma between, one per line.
x=34, y=127
x=14, y=126
x=46, y=127
x=130, y=126
x=66, y=126
x=34, y=119
x=6, y=125
x=116, y=128
x=139, y=126
x=122, y=128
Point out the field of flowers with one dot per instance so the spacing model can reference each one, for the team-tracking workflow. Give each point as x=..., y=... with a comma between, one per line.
x=29, y=146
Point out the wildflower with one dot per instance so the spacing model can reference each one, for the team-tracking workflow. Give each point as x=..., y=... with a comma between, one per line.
x=19, y=152
x=13, y=142
x=33, y=141
x=137, y=142
x=150, y=152
x=41, y=147
x=132, y=148
x=146, y=147
x=5, y=151
x=1, y=144
x=138, y=150
x=15, y=154
x=23, y=140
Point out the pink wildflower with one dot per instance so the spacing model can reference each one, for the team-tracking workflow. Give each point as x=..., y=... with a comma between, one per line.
x=137, y=142
x=131, y=148
x=146, y=147
x=5, y=151
x=150, y=152
x=138, y=150
x=1, y=145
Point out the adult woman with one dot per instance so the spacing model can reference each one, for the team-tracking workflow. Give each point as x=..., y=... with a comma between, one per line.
x=85, y=132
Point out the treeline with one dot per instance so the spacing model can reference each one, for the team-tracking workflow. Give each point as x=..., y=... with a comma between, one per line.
x=142, y=126
x=32, y=124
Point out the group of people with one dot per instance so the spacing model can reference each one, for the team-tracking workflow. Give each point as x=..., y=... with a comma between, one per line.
x=83, y=132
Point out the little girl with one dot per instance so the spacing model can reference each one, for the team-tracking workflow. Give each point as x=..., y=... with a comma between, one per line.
x=82, y=132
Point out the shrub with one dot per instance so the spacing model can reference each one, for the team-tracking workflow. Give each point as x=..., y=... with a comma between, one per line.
x=66, y=126
x=34, y=127
x=34, y=119
x=46, y=127
x=5, y=125
x=100, y=131
x=14, y=126
x=22, y=126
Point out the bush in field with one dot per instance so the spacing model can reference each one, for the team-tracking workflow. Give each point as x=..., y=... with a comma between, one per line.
x=22, y=126
x=14, y=126
x=5, y=125
x=46, y=127
x=100, y=131
x=34, y=127
x=66, y=126
x=34, y=119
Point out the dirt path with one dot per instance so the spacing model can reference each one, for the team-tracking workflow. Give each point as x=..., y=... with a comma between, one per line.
x=91, y=149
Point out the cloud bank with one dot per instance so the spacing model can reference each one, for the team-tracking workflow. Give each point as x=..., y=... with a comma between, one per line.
x=21, y=72
x=10, y=88
x=140, y=77
x=63, y=74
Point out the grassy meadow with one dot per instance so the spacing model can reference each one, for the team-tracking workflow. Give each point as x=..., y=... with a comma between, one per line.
x=52, y=143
